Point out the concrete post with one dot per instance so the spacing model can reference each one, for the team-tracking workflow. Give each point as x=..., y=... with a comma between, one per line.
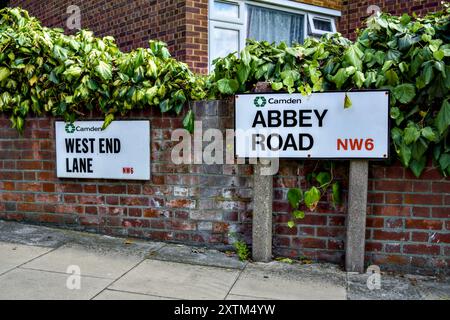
x=356, y=217
x=262, y=204
x=262, y=215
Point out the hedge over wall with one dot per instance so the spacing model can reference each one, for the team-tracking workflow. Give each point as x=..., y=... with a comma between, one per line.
x=42, y=70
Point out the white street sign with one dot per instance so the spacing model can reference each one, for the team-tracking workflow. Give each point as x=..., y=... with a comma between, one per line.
x=121, y=151
x=315, y=126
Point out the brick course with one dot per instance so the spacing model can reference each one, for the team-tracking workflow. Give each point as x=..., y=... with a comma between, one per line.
x=408, y=222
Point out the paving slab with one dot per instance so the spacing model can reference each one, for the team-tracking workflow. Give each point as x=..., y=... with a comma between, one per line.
x=290, y=282
x=398, y=287
x=122, y=295
x=177, y=280
x=96, y=262
x=236, y=297
x=13, y=255
x=196, y=255
x=15, y=232
x=40, y=285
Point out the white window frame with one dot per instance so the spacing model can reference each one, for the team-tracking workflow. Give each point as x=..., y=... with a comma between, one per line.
x=308, y=11
x=225, y=25
x=314, y=30
x=215, y=17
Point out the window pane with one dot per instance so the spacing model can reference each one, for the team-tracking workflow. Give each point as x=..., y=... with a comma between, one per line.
x=224, y=42
x=274, y=25
x=324, y=25
x=226, y=10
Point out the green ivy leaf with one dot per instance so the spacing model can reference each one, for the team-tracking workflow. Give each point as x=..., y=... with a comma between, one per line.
x=411, y=134
x=347, y=102
x=298, y=214
x=295, y=196
x=417, y=166
x=404, y=154
x=228, y=86
x=312, y=197
x=4, y=73
x=291, y=224
x=277, y=86
x=444, y=161
x=443, y=118
x=353, y=56
x=404, y=92
x=336, y=194
x=323, y=178
x=428, y=133
x=108, y=119
x=103, y=70
x=188, y=121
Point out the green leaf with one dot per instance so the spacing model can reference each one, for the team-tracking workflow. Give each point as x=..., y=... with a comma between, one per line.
x=312, y=197
x=165, y=105
x=391, y=77
x=277, y=86
x=323, y=178
x=336, y=194
x=295, y=196
x=353, y=56
x=4, y=73
x=404, y=92
x=340, y=77
x=188, y=121
x=428, y=133
x=108, y=119
x=417, y=166
x=228, y=86
x=442, y=120
x=359, y=79
x=439, y=55
x=347, y=102
x=103, y=70
x=404, y=154
x=411, y=134
x=444, y=161
x=243, y=73
x=291, y=224
x=73, y=71
x=298, y=214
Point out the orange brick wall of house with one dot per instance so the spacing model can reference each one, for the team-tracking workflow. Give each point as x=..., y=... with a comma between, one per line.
x=182, y=24
x=355, y=12
x=331, y=4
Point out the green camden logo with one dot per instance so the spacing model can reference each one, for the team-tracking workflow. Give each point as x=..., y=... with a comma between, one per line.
x=260, y=102
x=70, y=128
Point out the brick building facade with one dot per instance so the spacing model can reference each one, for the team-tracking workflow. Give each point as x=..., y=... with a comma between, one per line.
x=184, y=24
x=408, y=224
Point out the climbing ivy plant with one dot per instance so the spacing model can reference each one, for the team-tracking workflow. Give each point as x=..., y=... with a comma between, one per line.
x=42, y=70
x=409, y=56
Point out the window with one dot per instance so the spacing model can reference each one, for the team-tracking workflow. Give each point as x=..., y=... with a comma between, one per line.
x=274, y=25
x=320, y=25
x=231, y=22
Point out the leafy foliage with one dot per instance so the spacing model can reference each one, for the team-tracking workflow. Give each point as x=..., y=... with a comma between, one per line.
x=407, y=55
x=43, y=70
x=322, y=183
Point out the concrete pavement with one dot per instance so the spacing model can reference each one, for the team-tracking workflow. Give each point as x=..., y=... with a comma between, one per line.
x=43, y=263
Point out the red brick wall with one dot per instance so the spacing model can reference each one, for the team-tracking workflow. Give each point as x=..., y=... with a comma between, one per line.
x=186, y=203
x=354, y=12
x=182, y=24
x=408, y=224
